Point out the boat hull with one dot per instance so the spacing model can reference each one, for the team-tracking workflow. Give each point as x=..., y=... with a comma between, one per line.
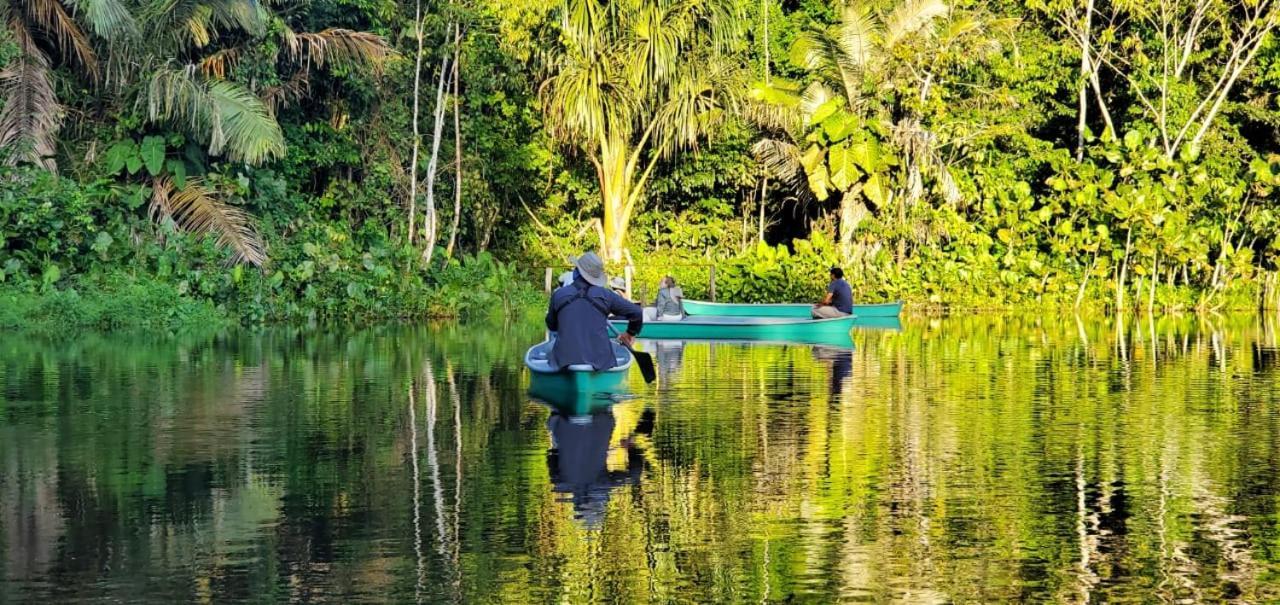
x=703, y=308
x=748, y=328
x=573, y=389
x=577, y=393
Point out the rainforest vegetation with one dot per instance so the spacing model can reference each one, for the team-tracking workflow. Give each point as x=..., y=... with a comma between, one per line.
x=176, y=161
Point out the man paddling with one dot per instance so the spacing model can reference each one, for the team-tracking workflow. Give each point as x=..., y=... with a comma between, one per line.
x=839, y=299
x=579, y=314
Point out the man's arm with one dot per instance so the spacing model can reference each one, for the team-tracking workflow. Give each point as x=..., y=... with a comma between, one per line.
x=635, y=316
x=826, y=300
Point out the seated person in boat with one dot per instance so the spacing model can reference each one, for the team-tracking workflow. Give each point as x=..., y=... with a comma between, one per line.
x=670, y=302
x=839, y=299
x=579, y=315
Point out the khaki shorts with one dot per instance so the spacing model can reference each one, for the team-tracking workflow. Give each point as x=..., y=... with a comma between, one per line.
x=827, y=312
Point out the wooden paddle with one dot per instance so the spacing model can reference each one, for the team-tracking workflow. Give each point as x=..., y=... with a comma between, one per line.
x=644, y=360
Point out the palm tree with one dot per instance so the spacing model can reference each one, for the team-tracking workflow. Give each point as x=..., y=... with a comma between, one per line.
x=190, y=90
x=44, y=30
x=868, y=151
x=632, y=81
x=186, y=85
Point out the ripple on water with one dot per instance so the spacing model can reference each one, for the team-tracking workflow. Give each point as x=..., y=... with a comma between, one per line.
x=971, y=459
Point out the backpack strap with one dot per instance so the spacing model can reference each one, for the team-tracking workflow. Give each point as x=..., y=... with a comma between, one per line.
x=582, y=294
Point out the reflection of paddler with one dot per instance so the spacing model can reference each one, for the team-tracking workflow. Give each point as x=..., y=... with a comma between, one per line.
x=579, y=455
x=670, y=356
x=841, y=366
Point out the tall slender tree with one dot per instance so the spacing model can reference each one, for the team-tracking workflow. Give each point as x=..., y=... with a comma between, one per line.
x=631, y=81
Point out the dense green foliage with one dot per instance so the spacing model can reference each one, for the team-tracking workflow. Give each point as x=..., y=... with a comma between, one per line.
x=258, y=157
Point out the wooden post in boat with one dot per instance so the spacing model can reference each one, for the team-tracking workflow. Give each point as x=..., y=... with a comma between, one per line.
x=712, y=287
x=627, y=273
x=547, y=285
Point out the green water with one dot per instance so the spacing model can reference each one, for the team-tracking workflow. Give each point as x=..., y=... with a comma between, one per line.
x=960, y=460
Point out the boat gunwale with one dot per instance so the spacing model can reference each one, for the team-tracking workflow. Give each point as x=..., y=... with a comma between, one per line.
x=570, y=371
x=728, y=304
x=745, y=320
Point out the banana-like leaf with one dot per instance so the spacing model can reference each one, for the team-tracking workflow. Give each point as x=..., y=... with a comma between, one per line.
x=844, y=171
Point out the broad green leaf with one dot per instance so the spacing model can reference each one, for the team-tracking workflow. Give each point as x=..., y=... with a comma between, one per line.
x=137, y=197
x=118, y=155
x=839, y=126
x=811, y=159
x=825, y=110
x=820, y=182
x=866, y=153
x=1132, y=139
x=875, y=190
x=133, y=163
x=152, y=154
x=178, y=169
x=844, y=173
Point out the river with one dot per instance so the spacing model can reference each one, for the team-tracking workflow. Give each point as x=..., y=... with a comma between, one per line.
x=965, y=459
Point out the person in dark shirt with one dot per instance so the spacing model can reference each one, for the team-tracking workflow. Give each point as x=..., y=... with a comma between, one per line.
x=578, y=313
x=839, y=299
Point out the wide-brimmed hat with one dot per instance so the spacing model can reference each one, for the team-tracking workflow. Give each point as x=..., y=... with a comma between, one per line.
x=617, y=283
x=591, y=268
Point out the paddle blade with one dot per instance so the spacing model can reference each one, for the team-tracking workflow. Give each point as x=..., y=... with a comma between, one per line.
x=645, y=361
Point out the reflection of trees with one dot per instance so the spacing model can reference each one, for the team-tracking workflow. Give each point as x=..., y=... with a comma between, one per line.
x=971, y=459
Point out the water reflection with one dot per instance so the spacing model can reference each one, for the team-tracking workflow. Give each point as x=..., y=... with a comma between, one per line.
x=970, y=459
x=590, y=456
x=841, y=362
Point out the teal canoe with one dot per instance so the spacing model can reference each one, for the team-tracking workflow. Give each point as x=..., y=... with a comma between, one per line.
x=576, y=386
x=783, y=329
x=709, y=309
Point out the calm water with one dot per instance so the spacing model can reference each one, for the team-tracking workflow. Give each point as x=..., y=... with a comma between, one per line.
x=961, y=460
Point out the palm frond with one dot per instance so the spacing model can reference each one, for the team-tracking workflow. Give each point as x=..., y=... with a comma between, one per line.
x=216, y=65
x=197, y=209
x=857, y=36
x=31, y=115
x=195, y=23
x=698, y=102
x=233, y=121
x=51, y=18
x=782, y=160
x=809, y=51
x=109, y=19
x=910, y=17
x=588, y=96
x=338, y=47
x=296, y=88
x=772, y=107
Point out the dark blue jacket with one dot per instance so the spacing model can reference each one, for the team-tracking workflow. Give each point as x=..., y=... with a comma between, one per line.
x=578, y=313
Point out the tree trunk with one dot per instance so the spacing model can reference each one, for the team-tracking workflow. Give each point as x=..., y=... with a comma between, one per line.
x=1084, y=79
x=430, y=223
x=852, y=211
x=417, y=137
x=615, y=188
x=457, y=142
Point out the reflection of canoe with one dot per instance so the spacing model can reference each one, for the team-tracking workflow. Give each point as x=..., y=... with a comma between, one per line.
x=703, y=308
x=747, y=328
x=577, y=387
x=877, y=323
